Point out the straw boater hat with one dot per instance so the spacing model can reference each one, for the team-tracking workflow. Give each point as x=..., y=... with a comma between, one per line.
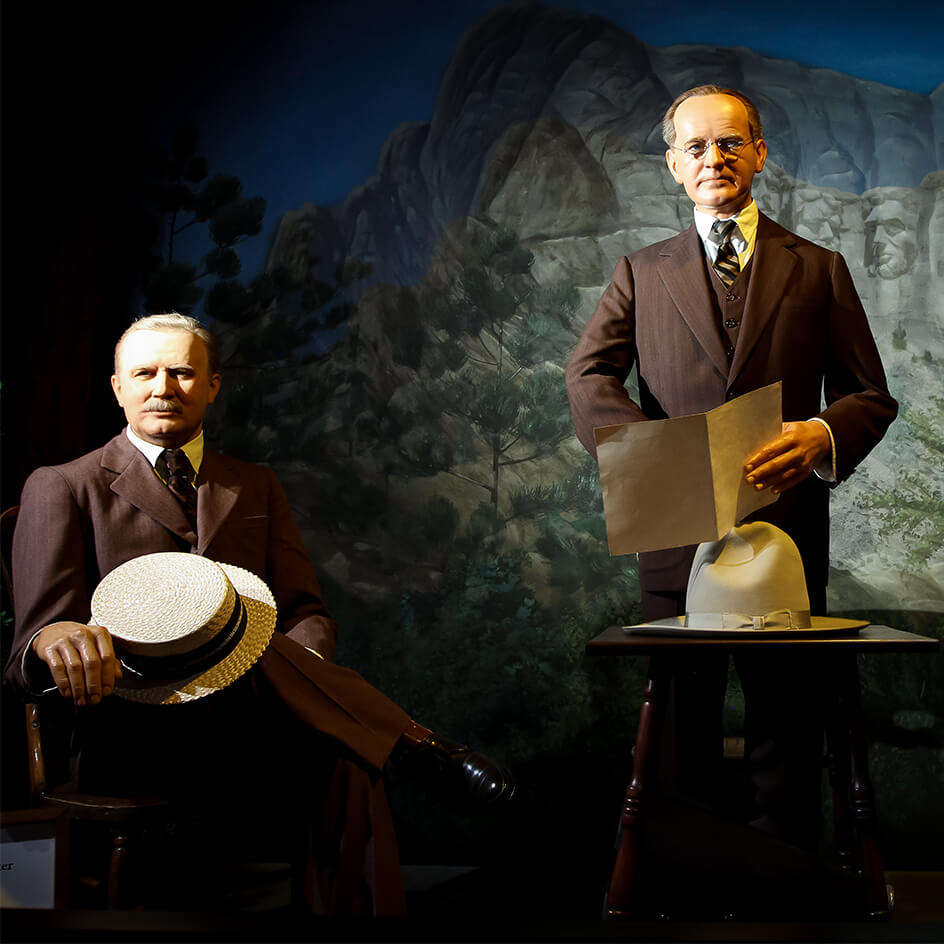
x=183, y=626
x=748, y=582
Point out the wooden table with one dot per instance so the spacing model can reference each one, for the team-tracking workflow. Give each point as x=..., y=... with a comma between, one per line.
x=846, y=744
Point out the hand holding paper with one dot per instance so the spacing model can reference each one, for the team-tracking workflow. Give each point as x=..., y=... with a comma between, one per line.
x=667, y=483
x=790, y=458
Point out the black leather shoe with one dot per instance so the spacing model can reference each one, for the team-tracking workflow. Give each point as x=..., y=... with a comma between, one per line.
x=472, y=781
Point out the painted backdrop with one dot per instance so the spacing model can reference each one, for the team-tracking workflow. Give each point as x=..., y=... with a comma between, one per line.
x=397, y=356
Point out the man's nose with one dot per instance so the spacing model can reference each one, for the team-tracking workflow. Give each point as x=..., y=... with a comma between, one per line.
x=163, y=384
x=713, y=155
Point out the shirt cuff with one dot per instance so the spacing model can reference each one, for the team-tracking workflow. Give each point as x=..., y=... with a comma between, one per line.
x=826, y=470
x=316, y=652
x=29, y=665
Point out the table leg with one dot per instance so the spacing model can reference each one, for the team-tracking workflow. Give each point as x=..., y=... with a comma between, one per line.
x=876, y=890
x=839, y=753
x=852, y=788
x=645, y=753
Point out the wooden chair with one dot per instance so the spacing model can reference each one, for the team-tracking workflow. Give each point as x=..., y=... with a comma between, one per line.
x=123, y=818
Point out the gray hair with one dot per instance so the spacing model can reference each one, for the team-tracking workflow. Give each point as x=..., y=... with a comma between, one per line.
x=753, y=115
x=173, y=321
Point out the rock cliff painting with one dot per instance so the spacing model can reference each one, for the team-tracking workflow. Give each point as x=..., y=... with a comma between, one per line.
x=413, y=340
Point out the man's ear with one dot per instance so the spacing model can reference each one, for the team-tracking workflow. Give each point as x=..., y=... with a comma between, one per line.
x=116, y=389
x=215, y=381
x=672, y=164
x=760, y=149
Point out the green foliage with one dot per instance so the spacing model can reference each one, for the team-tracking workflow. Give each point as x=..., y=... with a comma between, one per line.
x=483, y=355
x=408, y=340
x=359, y=503
x=485, y=522
x=489, y=668
x=545, y=417
x=547, y=334
x=424, y=452
x=439, y=520
x=425, y=535
x=914, y=510
x=219, y=204
x=223, y=263
x=236, y=221
x=446, y=354
x=221, y=191
x=173, y=288
x=491, y=403
x=532, y=501
x=501, y=252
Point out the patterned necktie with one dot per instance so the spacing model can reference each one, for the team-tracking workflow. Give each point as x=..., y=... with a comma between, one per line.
x=726, y=262
x=177, y=471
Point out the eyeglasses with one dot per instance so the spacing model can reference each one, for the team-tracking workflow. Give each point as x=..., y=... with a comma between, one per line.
x=730, y=148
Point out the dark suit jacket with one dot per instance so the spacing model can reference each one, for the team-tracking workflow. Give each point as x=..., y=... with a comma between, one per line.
x=803, y=324
x=79, y=521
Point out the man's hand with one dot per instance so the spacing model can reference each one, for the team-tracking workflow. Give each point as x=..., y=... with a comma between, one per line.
x=788, y=459
x=81, y=659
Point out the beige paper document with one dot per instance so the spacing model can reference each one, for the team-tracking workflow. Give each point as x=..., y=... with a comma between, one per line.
x=667, y=483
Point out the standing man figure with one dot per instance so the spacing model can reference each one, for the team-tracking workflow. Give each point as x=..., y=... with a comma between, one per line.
x=732, y=304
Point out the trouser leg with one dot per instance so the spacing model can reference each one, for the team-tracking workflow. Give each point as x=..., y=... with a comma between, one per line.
x=691, y=746
x=783, y=733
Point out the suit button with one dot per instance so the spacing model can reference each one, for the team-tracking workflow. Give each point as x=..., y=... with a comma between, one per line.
x=730, y=395
x=730, y=352
x=730, y=323
x=731, y=297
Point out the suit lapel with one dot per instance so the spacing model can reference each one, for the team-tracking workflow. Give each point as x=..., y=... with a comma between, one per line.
x=138, y=484
x=681, y=268
x=772, y=269
x=217, y=492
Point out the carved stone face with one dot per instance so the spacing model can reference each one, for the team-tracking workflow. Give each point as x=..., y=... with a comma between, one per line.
x=818, y=217
x=890, y=239
x=936, y=232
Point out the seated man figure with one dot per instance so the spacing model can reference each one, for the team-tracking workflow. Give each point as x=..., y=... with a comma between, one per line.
x=154, y=488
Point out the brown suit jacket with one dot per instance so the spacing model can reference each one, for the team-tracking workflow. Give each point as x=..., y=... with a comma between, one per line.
x=803, y=324
x=79, y=521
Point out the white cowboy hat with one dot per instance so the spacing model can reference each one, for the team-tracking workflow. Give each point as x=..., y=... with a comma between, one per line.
x=183, y=626
x=748, y=582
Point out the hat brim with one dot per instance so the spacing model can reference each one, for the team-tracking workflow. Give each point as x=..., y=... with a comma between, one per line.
x=261, y=616
x=676, y=626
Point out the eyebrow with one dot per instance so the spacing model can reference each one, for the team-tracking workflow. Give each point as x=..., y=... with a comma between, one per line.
x=721, y=137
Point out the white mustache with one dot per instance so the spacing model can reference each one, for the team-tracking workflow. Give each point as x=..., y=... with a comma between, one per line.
x=157, y=405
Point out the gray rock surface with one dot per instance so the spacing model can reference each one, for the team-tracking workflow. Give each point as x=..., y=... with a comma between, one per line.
x=540, y=80
x=548, y=122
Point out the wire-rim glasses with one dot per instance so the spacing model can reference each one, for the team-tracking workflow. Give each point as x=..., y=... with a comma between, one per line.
x=730, y=147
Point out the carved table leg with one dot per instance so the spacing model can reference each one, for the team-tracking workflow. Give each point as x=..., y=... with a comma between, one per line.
x=854, y=807
x=839, y=759
x=622, y=880
x=873, y=874
x=116, y=868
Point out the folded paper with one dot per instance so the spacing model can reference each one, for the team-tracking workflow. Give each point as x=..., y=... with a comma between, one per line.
x=668, y=483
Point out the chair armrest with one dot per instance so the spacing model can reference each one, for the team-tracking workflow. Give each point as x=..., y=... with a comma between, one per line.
x=36, y=765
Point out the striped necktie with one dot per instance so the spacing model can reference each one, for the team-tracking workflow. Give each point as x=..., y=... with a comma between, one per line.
x=726, y=261
x=177, y=472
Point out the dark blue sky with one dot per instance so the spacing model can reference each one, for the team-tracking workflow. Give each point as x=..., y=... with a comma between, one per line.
x=299, y=110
